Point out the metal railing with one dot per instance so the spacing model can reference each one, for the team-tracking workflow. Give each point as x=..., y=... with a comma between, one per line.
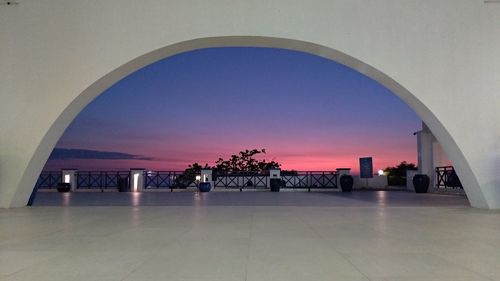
x=167, y=180
x=447, y=178
x=241, y=180
x=178, y=180
x=99, y=179
x=48, y=180
x=310, y=179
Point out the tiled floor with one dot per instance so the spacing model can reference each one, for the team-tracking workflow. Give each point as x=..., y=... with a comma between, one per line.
x=250, y=236
x=250, y=198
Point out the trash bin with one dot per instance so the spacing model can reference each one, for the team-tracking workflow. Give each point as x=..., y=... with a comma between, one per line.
x=275, y=185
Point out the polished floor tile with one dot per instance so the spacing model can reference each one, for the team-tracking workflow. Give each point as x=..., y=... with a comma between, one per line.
x=251, y=236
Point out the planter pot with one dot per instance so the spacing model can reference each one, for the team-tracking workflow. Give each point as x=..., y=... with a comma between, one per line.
x=275, y=185
x=123, y=185
x=204, y=187
x=421, y=183
x=64, y=187
x=452, y=179
x=346, y=183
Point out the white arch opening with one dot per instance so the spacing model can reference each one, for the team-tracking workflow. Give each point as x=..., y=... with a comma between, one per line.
x=50, y=139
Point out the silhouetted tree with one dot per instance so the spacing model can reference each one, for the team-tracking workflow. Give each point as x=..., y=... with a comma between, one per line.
x=289, y=173
x=245, y=162
x=397, y=175
x=189, y=175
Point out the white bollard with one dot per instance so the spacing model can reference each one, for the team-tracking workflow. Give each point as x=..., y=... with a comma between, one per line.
x=273, y=174
x=69, y=176
x=136, y=180
x=409, y=180
x=206, y=176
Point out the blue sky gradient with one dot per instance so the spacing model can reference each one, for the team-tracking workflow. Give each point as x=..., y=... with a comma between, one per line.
x=309, y=113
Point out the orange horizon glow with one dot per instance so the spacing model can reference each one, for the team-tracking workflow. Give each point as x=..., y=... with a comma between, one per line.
x=298, y=163
x=309, y=113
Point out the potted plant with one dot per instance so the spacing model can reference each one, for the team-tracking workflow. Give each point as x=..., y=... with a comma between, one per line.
x=421, y=183
x=204, y=186
x=452, y=179
x=346, y=183
x=64, y=187
x=275, y=184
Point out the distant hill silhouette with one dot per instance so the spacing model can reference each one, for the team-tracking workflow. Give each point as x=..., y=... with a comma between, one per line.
x=74, y=153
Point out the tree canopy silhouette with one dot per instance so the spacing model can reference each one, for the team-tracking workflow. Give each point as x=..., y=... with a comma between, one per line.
x=244, y=161
x=397, y=175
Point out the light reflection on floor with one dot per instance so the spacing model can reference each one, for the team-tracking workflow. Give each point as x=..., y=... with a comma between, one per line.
x=249, y=236
x=358, y=198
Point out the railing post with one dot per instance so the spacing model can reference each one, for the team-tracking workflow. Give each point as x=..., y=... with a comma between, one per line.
x=206, y=176
x=409, y=180
x=273, y=174
x=69, y=176
x=136, y=179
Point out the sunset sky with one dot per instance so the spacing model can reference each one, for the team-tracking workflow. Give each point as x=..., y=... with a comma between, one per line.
x=308, y=112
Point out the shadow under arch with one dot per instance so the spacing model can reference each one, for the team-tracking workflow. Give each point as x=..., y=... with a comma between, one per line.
x=471, y=185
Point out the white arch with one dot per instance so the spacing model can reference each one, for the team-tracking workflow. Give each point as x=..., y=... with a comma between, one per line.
x=75, y=107
x=52, y=50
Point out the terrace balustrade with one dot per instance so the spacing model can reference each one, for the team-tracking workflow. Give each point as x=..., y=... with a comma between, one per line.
x=164, y=180
x=447, y=178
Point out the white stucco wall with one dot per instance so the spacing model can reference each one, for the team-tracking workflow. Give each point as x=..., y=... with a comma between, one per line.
x=376, y=182
x=439, y=56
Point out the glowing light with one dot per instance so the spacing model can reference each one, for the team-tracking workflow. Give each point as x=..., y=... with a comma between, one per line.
x=67, y=179
x=136, y=201
x=136, y=182
x=380, y=172
x=66, y=198
x=198, y=178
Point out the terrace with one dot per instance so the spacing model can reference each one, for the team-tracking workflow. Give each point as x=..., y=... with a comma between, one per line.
x=363, y=235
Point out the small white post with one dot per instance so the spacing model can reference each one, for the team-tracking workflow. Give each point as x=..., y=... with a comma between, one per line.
x=273, y=174
x=409, y=180
x=137, y=179
x=69, y=176
x=206, y=176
